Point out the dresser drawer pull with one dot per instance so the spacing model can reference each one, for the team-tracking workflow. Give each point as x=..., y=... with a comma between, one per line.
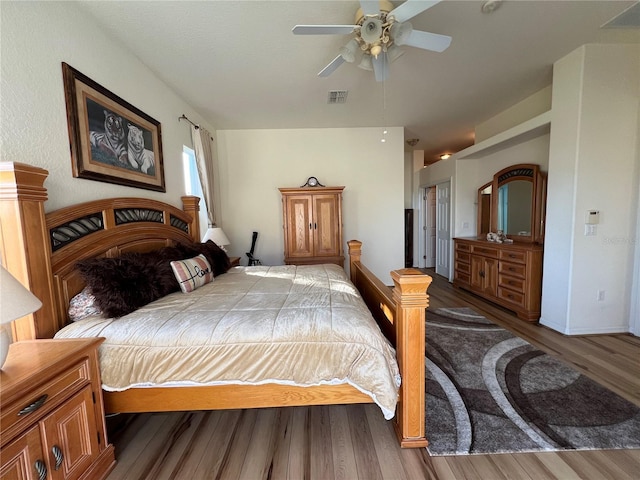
x=34, y=406
x=41, y=468
x=57, y=454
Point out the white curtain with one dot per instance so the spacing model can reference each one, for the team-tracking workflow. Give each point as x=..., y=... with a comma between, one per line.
x=207, y=162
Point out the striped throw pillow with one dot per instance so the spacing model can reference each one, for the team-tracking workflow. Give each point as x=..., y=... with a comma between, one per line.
x=192, y=273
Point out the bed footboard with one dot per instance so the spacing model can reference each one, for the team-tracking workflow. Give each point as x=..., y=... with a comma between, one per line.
x=400, y=312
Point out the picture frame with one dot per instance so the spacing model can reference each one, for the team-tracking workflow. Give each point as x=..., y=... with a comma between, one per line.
x=111, y=140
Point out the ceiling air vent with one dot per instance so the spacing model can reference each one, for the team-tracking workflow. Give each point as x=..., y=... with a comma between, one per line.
x=337, y=96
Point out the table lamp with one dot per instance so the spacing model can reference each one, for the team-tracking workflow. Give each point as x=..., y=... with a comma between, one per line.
x=217, y=236
x=15, y=302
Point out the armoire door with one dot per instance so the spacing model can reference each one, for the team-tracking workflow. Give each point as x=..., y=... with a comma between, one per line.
x=299, y=226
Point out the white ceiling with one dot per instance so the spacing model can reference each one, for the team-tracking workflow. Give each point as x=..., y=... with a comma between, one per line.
x=238, y=64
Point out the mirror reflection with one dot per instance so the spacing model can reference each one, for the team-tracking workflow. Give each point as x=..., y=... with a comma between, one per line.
x=514, y=207
x=484, y=209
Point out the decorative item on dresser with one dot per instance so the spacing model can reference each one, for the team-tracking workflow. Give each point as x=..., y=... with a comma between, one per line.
x=52, y=412
x=312, y=225
x=504, y=265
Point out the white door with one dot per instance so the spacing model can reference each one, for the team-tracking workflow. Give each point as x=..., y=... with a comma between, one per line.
x=430, y=227
x=443, y=234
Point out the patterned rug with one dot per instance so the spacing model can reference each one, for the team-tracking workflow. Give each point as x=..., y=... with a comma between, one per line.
x=489, y=391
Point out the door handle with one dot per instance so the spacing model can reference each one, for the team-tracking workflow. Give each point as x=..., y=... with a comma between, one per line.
x=57, y=454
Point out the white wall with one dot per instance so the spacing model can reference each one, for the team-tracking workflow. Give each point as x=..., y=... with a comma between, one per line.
x=593, y=164
x=254, y=163
x=36, y=37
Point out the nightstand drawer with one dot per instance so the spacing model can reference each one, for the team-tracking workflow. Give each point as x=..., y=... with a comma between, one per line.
x=44, y=397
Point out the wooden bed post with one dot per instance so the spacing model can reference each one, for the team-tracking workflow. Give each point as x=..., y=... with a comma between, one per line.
x=410, y=296
x=191, y=205
x=24, y=243
x=355, y=252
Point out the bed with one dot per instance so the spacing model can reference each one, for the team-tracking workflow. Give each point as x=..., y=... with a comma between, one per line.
x=42, y=250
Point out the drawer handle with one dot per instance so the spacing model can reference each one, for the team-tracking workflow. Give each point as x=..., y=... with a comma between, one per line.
x=34, y=406
x=57, y=453
x=41, y=468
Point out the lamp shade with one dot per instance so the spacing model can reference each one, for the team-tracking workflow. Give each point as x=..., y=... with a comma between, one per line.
x=217, y=236
x=15, y=302
x=400, y=32
x=349, y=51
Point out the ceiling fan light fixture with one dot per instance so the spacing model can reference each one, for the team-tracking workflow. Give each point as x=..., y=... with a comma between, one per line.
x=366, y=63
x=376, y=50
x=393, y=53
x=348, y=52
x=371, y=30
x=400, y=32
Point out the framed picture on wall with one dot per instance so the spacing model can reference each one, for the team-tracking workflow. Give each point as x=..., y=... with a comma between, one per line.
x=111, y=140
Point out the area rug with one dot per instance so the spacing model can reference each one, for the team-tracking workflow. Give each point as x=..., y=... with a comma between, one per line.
x=489, y=391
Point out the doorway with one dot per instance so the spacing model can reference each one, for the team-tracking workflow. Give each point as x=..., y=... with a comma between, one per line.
x=436, y=229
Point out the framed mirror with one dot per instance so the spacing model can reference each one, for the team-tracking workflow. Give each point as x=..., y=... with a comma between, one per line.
x=517, y=203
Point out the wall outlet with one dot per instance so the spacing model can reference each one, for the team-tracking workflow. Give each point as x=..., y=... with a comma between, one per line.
x=465, y=224
x=601, y=295
x=590, y=230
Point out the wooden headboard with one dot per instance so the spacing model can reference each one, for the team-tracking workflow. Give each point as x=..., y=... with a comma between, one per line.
x=41, y=250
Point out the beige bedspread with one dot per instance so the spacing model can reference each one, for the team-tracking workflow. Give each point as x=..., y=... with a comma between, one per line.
x=304, y=325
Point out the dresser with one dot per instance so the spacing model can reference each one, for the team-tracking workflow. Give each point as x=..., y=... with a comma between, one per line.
x=52, y=415
x=509, y=274
x=312, y=222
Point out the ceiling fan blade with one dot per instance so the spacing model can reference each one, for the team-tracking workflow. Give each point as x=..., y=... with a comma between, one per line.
x=370, y=7
x=323, y=29
x=333, y=65
x=381, y=67
x=428, y=41
x=411, y=8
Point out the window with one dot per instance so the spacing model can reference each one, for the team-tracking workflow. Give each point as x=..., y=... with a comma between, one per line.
x=192, y=184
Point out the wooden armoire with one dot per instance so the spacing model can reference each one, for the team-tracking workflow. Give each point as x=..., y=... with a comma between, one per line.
x=312, y=225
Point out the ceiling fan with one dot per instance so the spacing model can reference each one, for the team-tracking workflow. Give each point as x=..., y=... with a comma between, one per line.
x=379, y=29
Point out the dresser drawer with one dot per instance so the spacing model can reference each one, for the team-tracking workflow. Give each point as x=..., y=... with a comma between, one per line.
x=513, y=283
x=463, y=257
x=463, y=267
x=463, y=277
x=514, y=269
x=43, y=397
x=486, y=251
x=463, y=247
x=511, y=297
x=511, y=256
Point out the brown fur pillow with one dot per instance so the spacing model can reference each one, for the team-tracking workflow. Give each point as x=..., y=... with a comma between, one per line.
x=124, y=284
x=217, y=257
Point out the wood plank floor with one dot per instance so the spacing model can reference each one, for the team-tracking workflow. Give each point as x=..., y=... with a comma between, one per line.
x=355, y=442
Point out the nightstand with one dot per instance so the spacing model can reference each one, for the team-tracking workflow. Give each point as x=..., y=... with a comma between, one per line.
x=235, y=261
x=52, y=416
